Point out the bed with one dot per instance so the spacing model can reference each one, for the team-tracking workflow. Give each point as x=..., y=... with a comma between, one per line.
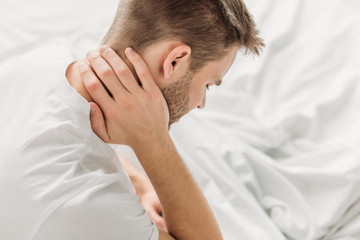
x=277, y=149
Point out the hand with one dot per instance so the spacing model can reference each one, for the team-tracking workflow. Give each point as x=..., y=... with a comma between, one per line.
x=150, y=201
x=135, y=115
x=146, y=192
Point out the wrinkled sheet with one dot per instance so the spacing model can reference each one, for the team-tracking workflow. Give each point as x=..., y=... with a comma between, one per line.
x=285, y=128
x=276, y=150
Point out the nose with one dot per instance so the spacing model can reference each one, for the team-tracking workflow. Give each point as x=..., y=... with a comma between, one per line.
x=202, y=104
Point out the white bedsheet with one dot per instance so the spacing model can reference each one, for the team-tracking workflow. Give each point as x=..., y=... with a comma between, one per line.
x=297, y=109
x=276, y=151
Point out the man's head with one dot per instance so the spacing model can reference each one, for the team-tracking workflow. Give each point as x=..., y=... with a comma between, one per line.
x=188, y=44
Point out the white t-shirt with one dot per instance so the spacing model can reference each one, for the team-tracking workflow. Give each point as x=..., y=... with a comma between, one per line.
x=58, y=180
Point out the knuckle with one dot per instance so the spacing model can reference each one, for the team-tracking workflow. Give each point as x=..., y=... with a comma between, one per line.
x=143, y=73
x=111, y=56
x=92, y=56
x=158, y=222
x=106, y=140
x=107, y=53
x=122, y=71
x=92, y=85
x=83, y=70
x=105, y=73
x=135, y=57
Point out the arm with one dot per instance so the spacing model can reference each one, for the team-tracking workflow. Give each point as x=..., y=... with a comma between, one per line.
x=137, y=116
x=146, y=192
x=186, y=211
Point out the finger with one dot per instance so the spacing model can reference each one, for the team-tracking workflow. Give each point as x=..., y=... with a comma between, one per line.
x=141, y=69
x=106, y=74
x=94, y=86
x=98, y=124
x=158, y=220
x=158, y=209
x=121, y=70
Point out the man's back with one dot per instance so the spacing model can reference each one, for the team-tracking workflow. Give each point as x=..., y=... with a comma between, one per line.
x=58, y=180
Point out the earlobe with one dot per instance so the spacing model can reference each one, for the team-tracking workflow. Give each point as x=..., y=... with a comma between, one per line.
x=177, y=56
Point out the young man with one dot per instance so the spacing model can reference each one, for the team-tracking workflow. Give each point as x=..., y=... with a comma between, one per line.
x=58, y=180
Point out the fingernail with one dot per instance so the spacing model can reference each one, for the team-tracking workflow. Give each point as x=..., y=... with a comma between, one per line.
x=104, y=48
x=129, y=51
x=91, y=53
x=92, y=110
x=82, y=64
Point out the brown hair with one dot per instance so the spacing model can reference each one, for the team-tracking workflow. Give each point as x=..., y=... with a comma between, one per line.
x=209, y=27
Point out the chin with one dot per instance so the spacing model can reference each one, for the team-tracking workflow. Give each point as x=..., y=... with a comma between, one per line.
x=172, y=121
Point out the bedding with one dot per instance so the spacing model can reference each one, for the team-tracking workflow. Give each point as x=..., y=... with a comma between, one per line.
x=276, y=150
x=294, y=111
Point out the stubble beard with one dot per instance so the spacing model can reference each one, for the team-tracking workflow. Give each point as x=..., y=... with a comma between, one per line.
x=177, y=97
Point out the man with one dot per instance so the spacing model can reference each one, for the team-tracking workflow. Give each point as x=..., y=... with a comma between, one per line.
x=58, y=180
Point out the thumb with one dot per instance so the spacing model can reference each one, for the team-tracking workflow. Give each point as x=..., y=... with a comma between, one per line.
x=98, y=124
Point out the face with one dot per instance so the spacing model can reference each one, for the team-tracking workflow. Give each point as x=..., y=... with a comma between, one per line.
x=189, y=91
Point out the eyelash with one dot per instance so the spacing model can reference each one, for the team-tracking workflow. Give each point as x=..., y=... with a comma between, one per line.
x=207, y=86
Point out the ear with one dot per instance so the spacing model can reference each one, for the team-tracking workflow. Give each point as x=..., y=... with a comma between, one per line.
x=177, y=56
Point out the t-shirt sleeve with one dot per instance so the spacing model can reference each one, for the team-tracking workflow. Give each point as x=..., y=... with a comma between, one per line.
x=94, y=215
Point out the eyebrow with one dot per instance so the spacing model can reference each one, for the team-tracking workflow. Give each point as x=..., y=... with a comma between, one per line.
x=218, y=82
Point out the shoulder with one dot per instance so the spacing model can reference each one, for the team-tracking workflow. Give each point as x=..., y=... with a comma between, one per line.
x=38, y=63
x=46, y=52
x=43, y=51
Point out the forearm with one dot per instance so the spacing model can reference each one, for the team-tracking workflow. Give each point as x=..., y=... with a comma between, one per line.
x=187, y=213
x=138, y=116
x=137, y=178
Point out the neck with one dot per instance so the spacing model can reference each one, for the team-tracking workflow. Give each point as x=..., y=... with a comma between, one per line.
x=74, y=79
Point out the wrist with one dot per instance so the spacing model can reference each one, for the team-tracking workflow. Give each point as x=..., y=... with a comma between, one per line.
x=151, y=148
